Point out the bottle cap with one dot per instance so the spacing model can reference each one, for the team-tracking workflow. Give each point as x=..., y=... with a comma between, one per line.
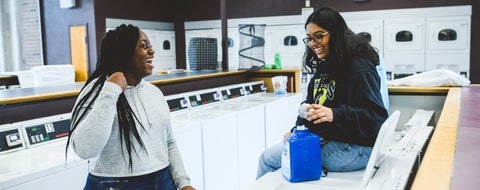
x=301, y=127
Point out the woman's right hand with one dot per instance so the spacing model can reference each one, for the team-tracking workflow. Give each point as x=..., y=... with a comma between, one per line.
x=119, y=79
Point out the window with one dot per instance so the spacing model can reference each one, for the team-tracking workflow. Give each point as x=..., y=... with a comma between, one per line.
x=21, y=39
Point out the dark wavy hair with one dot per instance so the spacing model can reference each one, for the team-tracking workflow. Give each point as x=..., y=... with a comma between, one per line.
x=116, y=54
x=344, y=44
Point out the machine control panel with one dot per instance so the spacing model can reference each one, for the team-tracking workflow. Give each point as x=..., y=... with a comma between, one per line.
x=177, y=104
x=255, y=88
x=204, y=98
x=10, y=139
x=47, y=131
x=232, y=93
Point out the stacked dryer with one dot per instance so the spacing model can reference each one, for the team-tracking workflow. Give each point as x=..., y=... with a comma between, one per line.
x=372, y=30
x=448, y=44
x=286, y=41
x=404, y=49
x=163, y=42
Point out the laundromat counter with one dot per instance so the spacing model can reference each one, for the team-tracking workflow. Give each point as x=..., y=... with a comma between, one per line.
x=451, y=158
x=46, y=101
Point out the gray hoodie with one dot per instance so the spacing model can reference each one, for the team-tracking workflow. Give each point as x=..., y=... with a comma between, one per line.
x=97, y=136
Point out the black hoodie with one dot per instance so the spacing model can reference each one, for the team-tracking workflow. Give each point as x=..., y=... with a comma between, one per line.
x=355, y=100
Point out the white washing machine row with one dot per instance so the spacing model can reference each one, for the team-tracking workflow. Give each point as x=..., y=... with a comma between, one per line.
x=32, y=156
x=206, y=134
x=227, y=136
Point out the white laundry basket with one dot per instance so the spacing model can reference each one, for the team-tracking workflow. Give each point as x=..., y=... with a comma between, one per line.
x=49, y=75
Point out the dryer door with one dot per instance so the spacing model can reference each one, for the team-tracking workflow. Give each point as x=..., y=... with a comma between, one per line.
x=404, y=34
x=449, y=33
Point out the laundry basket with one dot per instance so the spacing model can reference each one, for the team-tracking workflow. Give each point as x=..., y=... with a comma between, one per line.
x=202, y=53
x=50, y=75
x=252, y=43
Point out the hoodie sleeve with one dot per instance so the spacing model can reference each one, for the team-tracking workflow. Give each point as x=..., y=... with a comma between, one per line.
x=93, y=132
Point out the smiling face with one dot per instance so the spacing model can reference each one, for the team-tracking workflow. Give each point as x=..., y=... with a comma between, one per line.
x=319, y=40
x=142, y=63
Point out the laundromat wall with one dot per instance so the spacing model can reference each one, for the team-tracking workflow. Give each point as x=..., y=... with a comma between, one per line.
x=410, y=40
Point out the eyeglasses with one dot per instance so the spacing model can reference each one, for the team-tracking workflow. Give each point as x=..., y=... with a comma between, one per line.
x=318, y=37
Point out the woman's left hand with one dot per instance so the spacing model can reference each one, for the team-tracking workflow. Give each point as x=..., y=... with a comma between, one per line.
x=319, y=114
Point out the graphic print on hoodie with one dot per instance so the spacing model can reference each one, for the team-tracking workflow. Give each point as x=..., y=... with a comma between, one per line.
x=323, y=90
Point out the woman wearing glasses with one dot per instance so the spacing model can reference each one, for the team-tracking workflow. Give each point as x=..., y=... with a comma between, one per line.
x=343, y=104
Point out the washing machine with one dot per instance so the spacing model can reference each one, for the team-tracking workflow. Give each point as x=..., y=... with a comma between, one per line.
x=42, y=163
x=218, y=138
x=280, y=111
x=448, y=44
x=188, y=135
x=404, y=46
x=250, y=129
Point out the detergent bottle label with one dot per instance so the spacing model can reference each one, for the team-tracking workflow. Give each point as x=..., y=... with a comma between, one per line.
x=286, y=160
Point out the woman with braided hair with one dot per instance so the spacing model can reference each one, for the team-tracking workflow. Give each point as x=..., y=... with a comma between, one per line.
x=122, y=122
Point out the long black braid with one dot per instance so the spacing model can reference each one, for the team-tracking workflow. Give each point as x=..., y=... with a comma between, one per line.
x=116, y=54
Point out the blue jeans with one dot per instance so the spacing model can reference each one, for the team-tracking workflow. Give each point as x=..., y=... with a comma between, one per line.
x=336, y=157
x=160, y=180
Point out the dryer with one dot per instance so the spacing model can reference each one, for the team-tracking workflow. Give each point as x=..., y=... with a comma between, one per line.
x=448, y=44
x=370, y=29
x=404, y=46
x=163, y=43
x=286, y=40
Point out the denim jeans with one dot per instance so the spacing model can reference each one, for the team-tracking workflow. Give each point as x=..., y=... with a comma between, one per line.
x=160, y=180
x=336, y=157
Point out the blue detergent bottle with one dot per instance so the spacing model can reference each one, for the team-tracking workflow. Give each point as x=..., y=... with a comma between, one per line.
x=301, y=156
